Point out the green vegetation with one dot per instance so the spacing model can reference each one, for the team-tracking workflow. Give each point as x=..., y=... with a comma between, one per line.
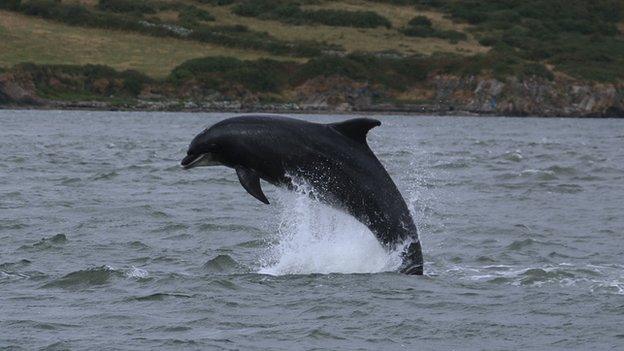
x=216, y=2
x=579, y=37
x=395, y=73
x=290, y=12
x=421, y=26
x=272, y=76
x=10, y=4
x=89, y=81
x=124, y=6
x=190, y=15
x=267, y=77
x=394, y=43
x=230, y=36
x=220, y=73
x=30, y=39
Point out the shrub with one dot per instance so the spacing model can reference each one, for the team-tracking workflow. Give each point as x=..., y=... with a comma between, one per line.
x=133, y=81
x=41, y=8
x=358, y=19
x=256, y=8
x=191, y=14
x=209, y=64
x=219, y=72
x=257, y=41
x=330, y=66
x=291, y=12
x=580, y=37
x=91, y=71
x=261, y=75
x=82, y=82
x=216, y=2
x=420, y=21
x=421, y=26
x=419, y=31
x=10, y=4
x=135, y=6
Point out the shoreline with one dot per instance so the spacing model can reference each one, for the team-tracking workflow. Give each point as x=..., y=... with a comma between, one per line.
x=413, y=110
x=444, y=95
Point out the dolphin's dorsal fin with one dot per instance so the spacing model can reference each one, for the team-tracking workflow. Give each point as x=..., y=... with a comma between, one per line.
x=356, y=128
x=250, y=180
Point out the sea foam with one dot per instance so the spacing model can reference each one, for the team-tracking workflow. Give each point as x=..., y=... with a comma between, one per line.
x=313, y=238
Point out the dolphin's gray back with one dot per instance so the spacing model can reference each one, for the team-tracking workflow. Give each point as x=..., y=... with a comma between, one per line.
x=332, y=158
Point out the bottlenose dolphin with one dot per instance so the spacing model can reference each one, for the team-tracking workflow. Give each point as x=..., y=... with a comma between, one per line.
x=334, y=159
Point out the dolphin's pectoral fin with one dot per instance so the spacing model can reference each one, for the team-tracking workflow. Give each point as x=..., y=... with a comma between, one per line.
x=250, y=180
x=356, y=128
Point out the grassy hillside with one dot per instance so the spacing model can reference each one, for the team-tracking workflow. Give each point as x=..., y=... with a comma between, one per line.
x=578, y=39
x=36, y=34
x=359, y=39
x=31, y=39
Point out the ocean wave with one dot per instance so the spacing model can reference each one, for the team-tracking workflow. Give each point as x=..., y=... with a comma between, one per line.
x=93, y=277
x=539, y=174
x=52, y=242
x=593, y=278
x=104, y=176
x=515, y=156
x=159, y=297
x=222, y=264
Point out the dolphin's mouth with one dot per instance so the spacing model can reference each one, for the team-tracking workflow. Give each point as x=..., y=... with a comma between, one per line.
x=191, y=161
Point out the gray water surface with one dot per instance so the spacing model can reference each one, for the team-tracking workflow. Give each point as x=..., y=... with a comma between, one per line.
x=105, y=243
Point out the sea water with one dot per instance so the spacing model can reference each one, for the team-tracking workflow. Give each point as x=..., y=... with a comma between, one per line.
x=105, y=243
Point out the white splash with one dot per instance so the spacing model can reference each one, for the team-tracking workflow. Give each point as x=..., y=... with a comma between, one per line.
x=314, y=238
x=135, y=272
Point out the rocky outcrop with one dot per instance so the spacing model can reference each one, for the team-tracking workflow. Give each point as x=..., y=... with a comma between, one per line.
x=17, y=91
x=530, y=97
x=337, y=93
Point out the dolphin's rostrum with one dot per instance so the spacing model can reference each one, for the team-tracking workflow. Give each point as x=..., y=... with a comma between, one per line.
x=334, y=159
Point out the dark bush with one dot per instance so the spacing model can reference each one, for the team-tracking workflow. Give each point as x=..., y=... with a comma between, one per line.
x=580, y=37
x=256, y=8
x=420, y=21
x=93, y=71
x=121, y=6
x=257, y=41
x=133, y=81
x=290, y=12
x=331, y=66
x=209, y=64
x=216, y=2
x=74, y=14
x=341, y=18
x=421, y=27
x=191, y=14
x=41, y=8
x=274, y=76
x=221, y=72
x=261, y=75
x=10, y=4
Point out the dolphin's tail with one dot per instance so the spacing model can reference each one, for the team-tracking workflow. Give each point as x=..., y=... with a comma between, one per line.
x=412, y=259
